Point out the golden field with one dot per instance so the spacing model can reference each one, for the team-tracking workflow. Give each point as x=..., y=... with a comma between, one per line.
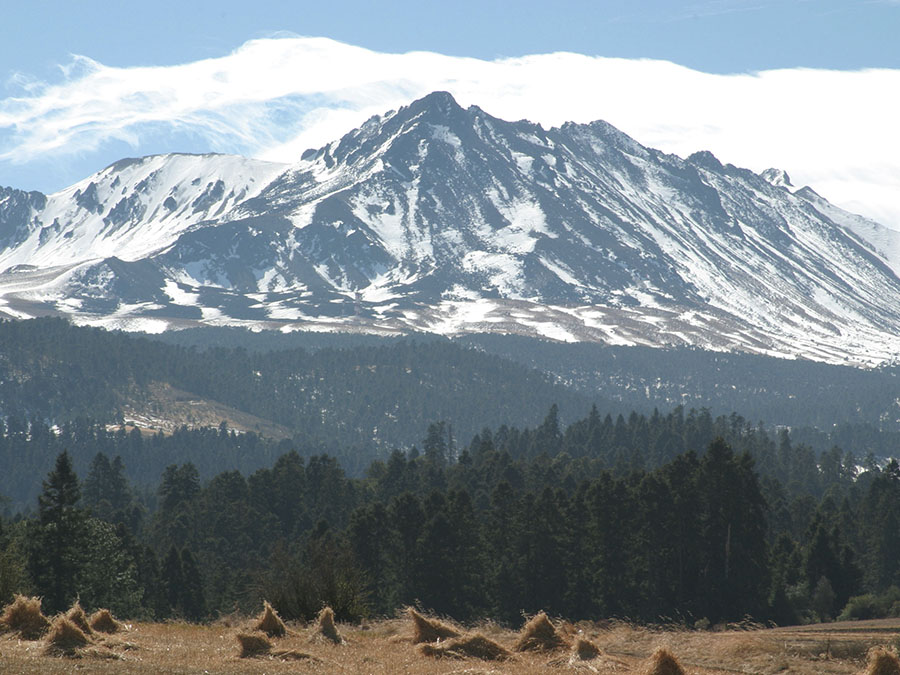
x=386, y=646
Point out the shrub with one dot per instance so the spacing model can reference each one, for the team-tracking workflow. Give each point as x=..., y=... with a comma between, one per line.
x=870, y=606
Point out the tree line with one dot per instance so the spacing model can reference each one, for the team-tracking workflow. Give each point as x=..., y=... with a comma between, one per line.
x=677, y=517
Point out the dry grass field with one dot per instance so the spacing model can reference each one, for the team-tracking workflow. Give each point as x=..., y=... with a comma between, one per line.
x=387, y=646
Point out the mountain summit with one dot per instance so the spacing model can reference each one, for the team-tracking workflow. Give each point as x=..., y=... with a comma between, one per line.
x=444, y=219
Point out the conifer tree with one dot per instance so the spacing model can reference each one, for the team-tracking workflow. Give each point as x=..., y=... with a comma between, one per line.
x=57, y=542
x=173, y=578
x=192, y=599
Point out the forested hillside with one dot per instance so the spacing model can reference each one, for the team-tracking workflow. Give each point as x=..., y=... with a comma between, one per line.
x=776, y=391
x=422, y=472
x=795, y=393
x=669, y=517
x=361, y=398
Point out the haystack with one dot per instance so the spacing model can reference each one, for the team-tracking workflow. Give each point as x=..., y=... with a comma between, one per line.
x=65, y=637
x=585, y=650
x=269, y=622
x=471, y=646
x=883, y=661
x=253, y=644
x=325, y=628
x=429, y=630
x=103, y=622
x=23, y=616
x=77, y=616
x=663, y=662
x=539, y=635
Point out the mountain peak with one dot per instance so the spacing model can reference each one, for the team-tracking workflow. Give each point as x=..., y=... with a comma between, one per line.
x=449, y=220
x=706, y=159
x=777, y=177
x=440, y=103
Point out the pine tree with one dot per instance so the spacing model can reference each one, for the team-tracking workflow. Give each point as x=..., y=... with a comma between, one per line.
x=192, y=599
x=173, y=577
x=57, y=542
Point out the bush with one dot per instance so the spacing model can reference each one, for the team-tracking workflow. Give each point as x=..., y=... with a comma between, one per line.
x=870, y=606
x=324, y=574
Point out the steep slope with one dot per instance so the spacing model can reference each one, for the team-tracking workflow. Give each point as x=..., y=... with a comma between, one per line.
x=126, y=212
x=130, y=209
x=440, y=219
x=883, y=241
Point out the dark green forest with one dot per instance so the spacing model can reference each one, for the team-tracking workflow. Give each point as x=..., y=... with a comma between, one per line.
x=643, y=378
x=358, y=397
x=367, y=399
x=679, y=517
x=441, y=475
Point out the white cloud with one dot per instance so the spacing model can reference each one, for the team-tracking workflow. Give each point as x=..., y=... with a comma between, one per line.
x=273, y=98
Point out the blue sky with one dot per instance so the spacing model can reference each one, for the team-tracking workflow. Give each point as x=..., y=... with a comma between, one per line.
x=718, y=36
x=82, y=84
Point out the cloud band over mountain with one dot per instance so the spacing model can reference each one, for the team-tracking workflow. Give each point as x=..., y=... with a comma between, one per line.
x=273, y=98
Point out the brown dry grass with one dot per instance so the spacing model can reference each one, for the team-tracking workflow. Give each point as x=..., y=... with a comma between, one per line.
x=23, y=616
x=77, y=616
x=102, y=621
x=663, y=662
x=430, y=630
x=253, y=644
x=883, y=662
x=325, y=628
x=269, y=622
x=64, y=636
x=539, y=635
x=468, y=647
x=179, y=648
x=585, y=650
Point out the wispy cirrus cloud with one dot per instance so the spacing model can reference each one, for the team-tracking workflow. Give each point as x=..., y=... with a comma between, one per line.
x=273, y=98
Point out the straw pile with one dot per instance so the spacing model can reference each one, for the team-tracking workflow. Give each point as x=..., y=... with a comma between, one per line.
x=663, y=662
x=103, y=622
x=584, y=650
x=253, y=644
x=269, y=622
x=77, y=616
x=326, y=629
x=883, y=661
x=23, y=616
x=429, y=630
x=471, y=646
x=64, y=637
x=539, y=635
x=293, y=655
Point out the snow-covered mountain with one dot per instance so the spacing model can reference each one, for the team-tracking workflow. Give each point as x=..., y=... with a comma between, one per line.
x=435, y=218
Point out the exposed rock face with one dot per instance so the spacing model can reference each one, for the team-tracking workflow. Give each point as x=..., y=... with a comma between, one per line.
x=448, y=220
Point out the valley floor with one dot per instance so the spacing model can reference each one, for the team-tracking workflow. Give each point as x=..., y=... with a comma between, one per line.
x=386, y=647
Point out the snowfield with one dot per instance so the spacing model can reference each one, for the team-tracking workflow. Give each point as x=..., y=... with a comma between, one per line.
x=443, y=219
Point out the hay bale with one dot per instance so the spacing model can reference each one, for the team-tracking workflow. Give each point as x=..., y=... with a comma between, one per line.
x=585, y=650
x=325, y=628
x=77, y=616
x=103, y=622
x=663, y=662
x=882, y=661
x=253, y=644
x=23, y=616
x=470, y=646
x=429, y=630
x=270, y=623
x=539, y=635
x=65, y=637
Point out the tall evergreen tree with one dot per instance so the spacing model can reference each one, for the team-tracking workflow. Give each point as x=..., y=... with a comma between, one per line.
x=56, y=549
x=173, y=578
x=191, y=600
